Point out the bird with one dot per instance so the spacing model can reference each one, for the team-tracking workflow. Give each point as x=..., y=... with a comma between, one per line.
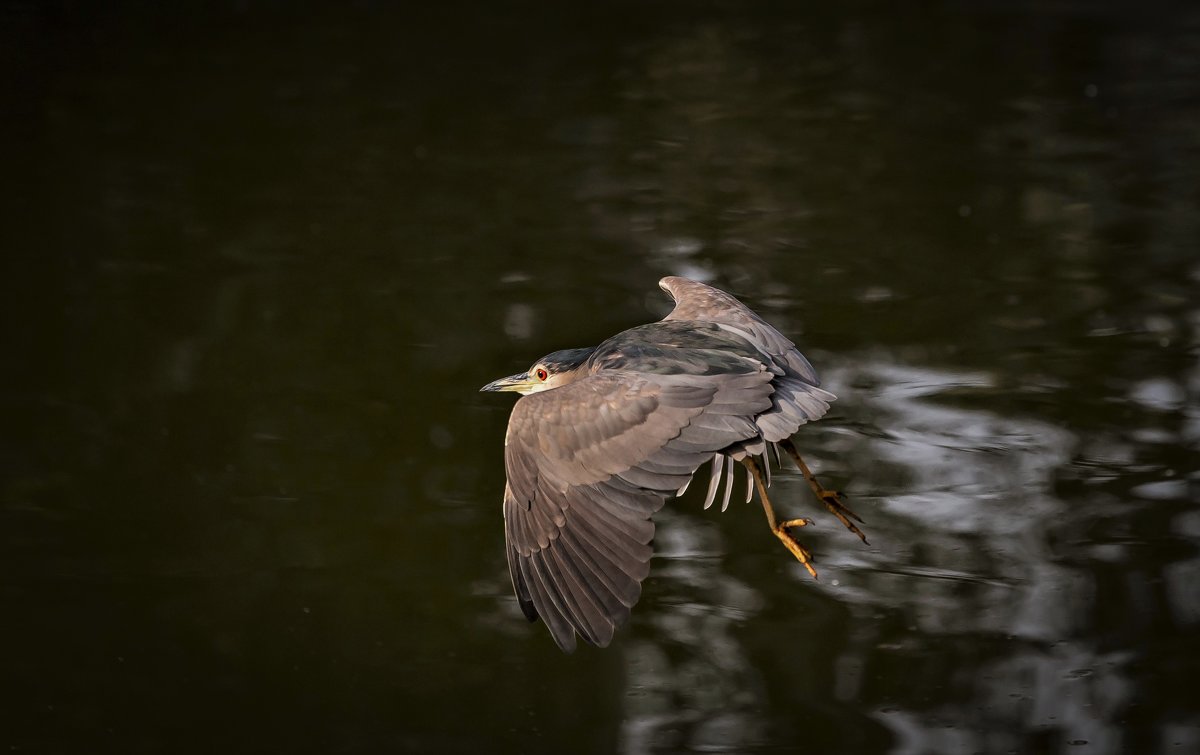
x=601, y=438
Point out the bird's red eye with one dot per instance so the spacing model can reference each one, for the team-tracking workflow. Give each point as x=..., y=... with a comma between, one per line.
x=541, y=374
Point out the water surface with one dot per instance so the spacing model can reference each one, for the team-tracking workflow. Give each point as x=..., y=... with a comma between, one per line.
x=259, y=260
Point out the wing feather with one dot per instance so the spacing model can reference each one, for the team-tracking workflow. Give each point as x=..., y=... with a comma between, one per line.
x=699, y=302
x=520, y=584
x=635, y=529
x=589, y=610
x=631, y=556
x=621, y=586
x=547, y=603
x=588, y=464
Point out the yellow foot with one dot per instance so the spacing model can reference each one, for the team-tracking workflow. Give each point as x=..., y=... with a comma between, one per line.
x=796, y=523
x=833, y=502
x=830, y=498
x=802, y=554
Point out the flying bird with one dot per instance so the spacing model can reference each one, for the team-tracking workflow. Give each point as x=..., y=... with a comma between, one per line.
x=602, y=437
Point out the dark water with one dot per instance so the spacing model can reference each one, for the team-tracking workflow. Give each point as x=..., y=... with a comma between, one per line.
x=258, y=258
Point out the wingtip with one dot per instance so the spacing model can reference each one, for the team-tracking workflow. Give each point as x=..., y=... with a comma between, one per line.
x=567, y=645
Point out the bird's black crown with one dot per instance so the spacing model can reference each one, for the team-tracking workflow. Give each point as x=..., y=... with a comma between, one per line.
x=566, y=360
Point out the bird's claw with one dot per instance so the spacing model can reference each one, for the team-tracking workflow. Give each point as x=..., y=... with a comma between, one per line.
x=833, y=503
x=802, y=554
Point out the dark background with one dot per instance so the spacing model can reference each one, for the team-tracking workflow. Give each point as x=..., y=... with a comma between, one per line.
x=259, y=257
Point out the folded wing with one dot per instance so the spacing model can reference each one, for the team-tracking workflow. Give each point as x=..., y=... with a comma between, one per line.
x=798, y=396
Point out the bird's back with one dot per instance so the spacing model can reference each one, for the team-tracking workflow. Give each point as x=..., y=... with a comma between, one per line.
x=678, y=347
x=698, y=302
x=710, y=333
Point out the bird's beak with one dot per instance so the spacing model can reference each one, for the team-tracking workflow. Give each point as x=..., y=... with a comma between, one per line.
x=518, y=383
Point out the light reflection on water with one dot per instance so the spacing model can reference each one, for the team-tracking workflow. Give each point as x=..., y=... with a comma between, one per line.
x=959, y=556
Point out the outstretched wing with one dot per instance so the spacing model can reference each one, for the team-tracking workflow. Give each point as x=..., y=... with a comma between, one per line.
x=587, y=464
x=798, y=397
x=700, y=302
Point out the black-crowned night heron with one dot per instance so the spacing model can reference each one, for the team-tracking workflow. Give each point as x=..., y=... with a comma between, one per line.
x=604, y=436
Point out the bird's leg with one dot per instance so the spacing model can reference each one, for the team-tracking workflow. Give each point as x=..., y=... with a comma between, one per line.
x=781, y=529
x=831, y=498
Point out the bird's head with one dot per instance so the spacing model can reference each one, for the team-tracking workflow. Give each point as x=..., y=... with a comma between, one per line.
x=551, y=371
